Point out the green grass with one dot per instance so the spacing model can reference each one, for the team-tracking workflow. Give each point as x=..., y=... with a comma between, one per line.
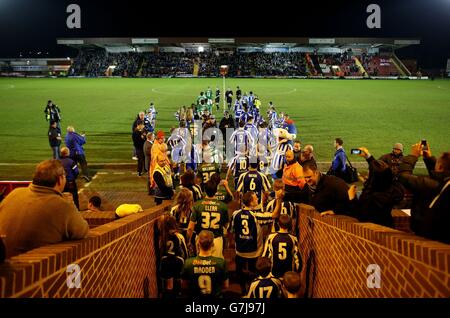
x=375, y=114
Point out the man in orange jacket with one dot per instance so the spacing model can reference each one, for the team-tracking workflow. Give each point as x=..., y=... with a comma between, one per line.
x=293, y=177
x=159, y=149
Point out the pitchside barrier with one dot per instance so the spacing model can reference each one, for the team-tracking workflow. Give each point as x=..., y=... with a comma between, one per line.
x=7, y=187
x=341, y=258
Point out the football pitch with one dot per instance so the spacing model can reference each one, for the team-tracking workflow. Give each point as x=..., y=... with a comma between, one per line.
x=371, y=113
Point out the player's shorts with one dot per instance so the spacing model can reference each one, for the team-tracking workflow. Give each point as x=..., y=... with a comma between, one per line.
x=209, y=102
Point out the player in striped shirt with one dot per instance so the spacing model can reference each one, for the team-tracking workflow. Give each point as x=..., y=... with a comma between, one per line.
x=174, y=253
x=265, y=286
x=282, y=249
x=237, y=166
x=272, y=116
x=279, y=156
x=182, y=210
x=286, y=207
x=255, y=181
x=241, y=139
x=248, y=237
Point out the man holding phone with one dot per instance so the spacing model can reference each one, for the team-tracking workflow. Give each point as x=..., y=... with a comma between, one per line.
x=395, y=158
x=431, y=195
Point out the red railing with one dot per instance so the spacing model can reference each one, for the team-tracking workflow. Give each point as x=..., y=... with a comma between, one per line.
x=7, y=186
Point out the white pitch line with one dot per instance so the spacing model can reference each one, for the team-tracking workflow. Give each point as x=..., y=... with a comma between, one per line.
x=94, y=177
x=118, y=172
x=102, y=172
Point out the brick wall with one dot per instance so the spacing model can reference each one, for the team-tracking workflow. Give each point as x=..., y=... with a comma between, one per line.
x=337, y=251
x=95, y=219
x=117, y=259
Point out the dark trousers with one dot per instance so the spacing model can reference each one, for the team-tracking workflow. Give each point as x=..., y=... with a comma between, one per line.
x=81, y=159
x=141, y=159
x=245, y=271
x=71, y=186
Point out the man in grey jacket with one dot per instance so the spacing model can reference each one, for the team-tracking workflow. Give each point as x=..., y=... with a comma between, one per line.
x=40, y=215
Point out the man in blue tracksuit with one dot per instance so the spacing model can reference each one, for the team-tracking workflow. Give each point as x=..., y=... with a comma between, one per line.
x=289, y=125
x=338, y=166
x=75, y=144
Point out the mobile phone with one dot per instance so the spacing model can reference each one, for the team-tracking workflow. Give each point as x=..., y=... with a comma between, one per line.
x=424, y=144
x=356, y=151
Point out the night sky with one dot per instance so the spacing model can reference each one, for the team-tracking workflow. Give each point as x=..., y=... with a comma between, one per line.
x=34, y=25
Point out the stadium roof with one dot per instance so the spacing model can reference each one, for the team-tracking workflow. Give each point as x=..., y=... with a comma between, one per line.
x=183, y=42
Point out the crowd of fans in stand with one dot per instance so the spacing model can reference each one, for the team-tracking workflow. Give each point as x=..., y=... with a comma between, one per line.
x=156, y=64
x=161, y=64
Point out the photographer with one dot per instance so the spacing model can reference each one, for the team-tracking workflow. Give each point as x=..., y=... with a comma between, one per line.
x=430, y=208
x=379, y=194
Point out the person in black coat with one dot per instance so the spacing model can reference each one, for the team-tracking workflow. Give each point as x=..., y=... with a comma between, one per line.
x=328, y=194
x=139, y=137
x=379, y=195
x=54, y=138
x=430, y=216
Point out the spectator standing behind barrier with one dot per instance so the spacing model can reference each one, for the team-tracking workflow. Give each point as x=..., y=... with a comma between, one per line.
x=205, y=275
x=297, y=151
x=430, y=215
x=394, y=158
x=307, y=157
x=75, y=144
x=71, y=169
x=39, y=214
x=138, y=142
x=94, y=204
x=148, y=150
x=293, y=178
x=159, y=149
x=379, y=194
x=54, y=138
x=162, y=175
x=328, y=194
x=338, y=167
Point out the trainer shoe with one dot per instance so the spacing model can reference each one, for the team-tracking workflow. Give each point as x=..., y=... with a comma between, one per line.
x=134, y=158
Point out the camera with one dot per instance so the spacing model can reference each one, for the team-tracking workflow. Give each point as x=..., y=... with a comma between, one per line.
x=356, y=151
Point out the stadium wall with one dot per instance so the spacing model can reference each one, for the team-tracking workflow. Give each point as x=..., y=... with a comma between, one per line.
x=340, y=257
x=117, y=259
